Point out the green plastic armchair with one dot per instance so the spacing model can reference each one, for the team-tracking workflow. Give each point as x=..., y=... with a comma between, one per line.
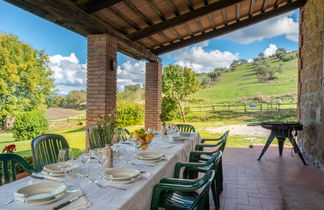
x=94, y=138
x=185, y=128
x=122, y=134
x=172, y=193
x=45, y=149
x=8, y=163
x=193, y=168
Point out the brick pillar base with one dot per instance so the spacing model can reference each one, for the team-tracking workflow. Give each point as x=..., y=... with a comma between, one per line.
x=101, y=78
x=153, y=95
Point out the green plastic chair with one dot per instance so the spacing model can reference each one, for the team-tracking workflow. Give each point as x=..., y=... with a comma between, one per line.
x=94, y=138
x=8, y=163
x=219, y=144
x=122, y=134
x=45, y=149
x=173, y=193
x=185, y=128
x=193, y=168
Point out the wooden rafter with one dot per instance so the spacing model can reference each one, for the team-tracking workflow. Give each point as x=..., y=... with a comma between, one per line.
x=68, y=15
x=231, y=27
x=182, y=18
x=251, y=9
x=123, y=17
x=173, y=6
x=224, y=13
x=92, y=6
x=211, y=20
x=264, y=5
x=238, y=12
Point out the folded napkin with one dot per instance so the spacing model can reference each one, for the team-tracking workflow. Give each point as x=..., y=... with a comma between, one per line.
x=48, y=177
x=81, y=203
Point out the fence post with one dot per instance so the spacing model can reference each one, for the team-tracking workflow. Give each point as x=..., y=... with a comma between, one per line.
x=244, y=108
x=278, y=107
x=261, y=107
x=228, y=107
x=214, y=108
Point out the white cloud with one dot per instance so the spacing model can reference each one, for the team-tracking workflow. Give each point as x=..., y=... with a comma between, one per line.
x=68, y=73
x=130, y=73
x=271, y=50
x=201, y=60
x=281, y=25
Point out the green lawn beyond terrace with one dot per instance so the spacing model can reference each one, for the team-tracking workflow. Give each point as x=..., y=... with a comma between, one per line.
x=233, y=87
x=75, y=136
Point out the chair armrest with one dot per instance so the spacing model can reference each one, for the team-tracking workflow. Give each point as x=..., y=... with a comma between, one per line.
x=180, y=165
x=177, y=181
x=203, y=140
x=196, y=155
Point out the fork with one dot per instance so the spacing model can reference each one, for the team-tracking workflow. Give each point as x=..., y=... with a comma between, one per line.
x=102, y=186
x=9, y=201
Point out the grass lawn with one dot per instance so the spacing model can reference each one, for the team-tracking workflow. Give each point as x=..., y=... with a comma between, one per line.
x=235, y=86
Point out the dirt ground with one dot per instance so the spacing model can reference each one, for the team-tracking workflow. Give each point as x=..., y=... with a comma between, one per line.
x=241, y=130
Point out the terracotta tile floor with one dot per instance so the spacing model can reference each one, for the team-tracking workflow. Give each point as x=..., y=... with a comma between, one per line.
x=251, y=184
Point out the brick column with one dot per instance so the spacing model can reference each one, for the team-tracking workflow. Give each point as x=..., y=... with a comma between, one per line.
x=101, y=79
x=153, y=95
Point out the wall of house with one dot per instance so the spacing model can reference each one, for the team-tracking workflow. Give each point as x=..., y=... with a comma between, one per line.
x=311, y=88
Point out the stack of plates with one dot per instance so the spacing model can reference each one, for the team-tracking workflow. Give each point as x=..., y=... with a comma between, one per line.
x=122, y=175
x=179, y=138
x=57, y=169
x=41, y=193
x=150, y=156
x=186, y=133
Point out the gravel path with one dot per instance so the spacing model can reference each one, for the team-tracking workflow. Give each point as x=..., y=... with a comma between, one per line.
x=241, y=130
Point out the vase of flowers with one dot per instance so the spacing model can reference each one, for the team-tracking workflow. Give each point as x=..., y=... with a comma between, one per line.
x=142, y=138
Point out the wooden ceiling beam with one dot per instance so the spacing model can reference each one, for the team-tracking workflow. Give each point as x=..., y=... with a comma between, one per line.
x=181, y=19
x=92, y=6
x=231, y=27
x=238, y=12
x=251, y=9
x=68, y=15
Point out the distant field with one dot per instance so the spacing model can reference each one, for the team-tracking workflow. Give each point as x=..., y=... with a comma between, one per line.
x=62, y=113
x=236, y=86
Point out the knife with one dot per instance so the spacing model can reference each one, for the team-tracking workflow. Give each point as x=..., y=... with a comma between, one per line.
x=68, y=202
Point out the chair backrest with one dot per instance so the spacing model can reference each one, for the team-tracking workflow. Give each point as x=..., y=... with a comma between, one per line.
x=122, y=134
x=224, y=140
x=45, y=149
x=8, y=162
x=95, y=140
x=185, y=128
x=205, y=184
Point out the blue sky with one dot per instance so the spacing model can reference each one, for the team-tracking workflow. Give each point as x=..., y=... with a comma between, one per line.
x=68, y=50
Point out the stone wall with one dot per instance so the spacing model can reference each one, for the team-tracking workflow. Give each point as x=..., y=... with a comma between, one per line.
x=311, y=89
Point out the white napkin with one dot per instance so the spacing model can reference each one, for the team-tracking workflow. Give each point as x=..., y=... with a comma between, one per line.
x=81, y=203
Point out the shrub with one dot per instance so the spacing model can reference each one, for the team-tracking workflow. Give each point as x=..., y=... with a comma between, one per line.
x=129, y=113
x=29, y=125
x=170, y=110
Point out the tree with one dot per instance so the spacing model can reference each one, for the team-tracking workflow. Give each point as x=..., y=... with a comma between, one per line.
x=265, y=70
x=75, y=98
x=205, y=82
x=177, y=83
x=132, y=88
x=280, y=52
x=24, y=77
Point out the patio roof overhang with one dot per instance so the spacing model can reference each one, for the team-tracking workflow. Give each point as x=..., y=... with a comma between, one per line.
x=145, y=29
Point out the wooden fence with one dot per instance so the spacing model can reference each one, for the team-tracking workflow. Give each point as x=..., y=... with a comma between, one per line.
x=256, y=107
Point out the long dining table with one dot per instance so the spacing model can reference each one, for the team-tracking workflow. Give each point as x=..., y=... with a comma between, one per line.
x=137, y=194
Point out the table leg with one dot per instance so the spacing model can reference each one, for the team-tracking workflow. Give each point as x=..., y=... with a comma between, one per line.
x=281, y=142
x=296, y=149
x=270, y=139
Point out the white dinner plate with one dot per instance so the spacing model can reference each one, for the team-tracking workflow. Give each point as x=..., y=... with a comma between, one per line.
x=149, y=156
x=186, y=133
x=124, y=181
x=121, y=174
x=57, y=169
x=40, y=191
x=42, y=201
x=179, y=138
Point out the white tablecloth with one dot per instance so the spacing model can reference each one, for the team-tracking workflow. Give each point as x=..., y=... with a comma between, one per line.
x=138, y=194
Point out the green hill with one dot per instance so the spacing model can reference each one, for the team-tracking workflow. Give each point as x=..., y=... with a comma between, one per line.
x=243, y=85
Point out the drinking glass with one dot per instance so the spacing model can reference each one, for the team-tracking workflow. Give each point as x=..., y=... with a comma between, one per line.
x=64, y=155
x=71, y=180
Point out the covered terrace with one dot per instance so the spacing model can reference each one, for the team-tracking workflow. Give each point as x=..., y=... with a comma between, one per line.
x=145, y=29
